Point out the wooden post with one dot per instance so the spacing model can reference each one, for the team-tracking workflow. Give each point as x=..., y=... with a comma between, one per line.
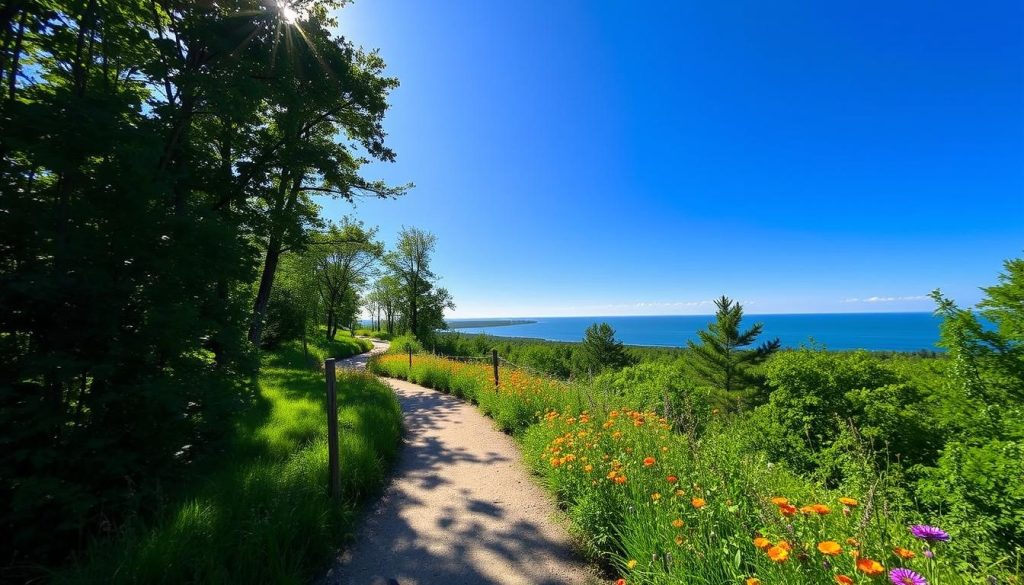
x=333, y=459
x=410, y=363
x=494, y=361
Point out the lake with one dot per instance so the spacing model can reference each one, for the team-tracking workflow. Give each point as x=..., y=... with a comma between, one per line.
x=838, y=331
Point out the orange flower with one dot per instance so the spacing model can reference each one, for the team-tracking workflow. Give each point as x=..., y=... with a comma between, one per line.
x=679, y=540
x=830, y=548
x=555, y=462
x=870, y=567
x=698, y=503
x=649, y=461
x=762, y=543
x=620, y=582
x=785, y=544
x=852, y=541
x=753, y=581
x=671, y=479
x=588, y=468
x=778, y=554
x=821, y=509
x=787, y=509
x=849, y=502
x=620, y=479
x=843, y=580
x=903, y=553
x=612, y=474
x=677, y=523
x=780, y=501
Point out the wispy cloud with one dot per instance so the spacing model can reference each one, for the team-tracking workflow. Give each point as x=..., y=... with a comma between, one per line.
x=876, y=299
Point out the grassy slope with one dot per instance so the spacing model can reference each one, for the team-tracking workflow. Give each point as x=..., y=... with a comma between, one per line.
x=260, y=514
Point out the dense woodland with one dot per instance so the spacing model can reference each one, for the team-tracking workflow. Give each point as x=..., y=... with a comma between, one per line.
x=160, y=164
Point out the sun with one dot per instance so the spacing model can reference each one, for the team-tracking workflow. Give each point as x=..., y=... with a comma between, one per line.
x=288, y=14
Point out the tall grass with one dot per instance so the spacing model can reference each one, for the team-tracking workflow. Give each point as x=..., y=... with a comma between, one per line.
x=258, y=512
x=661, y=506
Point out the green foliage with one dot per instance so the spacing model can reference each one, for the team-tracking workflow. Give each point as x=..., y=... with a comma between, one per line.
x=259, y=512
x=153, y=155
x=720, y=358
x=404, y=344
x=600, y=351
x=413, y=285
x=285, y=318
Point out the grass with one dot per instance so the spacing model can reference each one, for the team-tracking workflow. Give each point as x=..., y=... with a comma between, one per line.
x=660, y=506
x=258, y=513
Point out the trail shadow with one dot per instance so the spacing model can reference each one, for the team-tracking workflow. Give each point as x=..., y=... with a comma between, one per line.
x=471, y=538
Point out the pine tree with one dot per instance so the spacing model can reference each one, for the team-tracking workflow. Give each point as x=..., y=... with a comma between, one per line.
x=601, y=351
x=720, y=358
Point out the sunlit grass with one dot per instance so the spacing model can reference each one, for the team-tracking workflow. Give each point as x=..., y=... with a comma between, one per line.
x=260, y=513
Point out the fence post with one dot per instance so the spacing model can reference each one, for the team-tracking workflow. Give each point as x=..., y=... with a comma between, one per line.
x=334, y=479
x=494, y=361
x=410, y=364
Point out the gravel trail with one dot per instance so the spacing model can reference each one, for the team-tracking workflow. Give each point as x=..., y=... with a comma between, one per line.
x=461, y=508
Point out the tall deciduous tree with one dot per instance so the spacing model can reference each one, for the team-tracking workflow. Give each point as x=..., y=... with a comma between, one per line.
x=722, y=358
x=422, y=302
x=345, y=259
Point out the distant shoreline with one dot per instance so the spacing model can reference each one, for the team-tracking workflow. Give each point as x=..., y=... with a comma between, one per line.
x=471, y=323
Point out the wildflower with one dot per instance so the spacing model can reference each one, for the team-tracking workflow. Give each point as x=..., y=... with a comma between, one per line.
x=679, y=540
x=612, y=474
x=843, y=580
x=928, y=554
x=778, y=554
x=929, y=533
x=807, y=509
x=787, y=509
x=762, y=543
x=780, y=501
x=555, y=462
x=821, y=509
x=785, y=544
x=849, y=502
x=588, y=468
x=698, y=503
x=620, y=582
x=830, y=548
x=664, y=449
x=631, y=564
x=903, y=553
x=870, y=567
x=852, y=541
x=903, y=576
x=656, y=496
x=753, y=581
x=649, y=461
x=680, y=493
x=620, y=479
x=672, y=479
x=677, y=523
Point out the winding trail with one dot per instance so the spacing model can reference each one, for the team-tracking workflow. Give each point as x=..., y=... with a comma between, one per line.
x=461, y=507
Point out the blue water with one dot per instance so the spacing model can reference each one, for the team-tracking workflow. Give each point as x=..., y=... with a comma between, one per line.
x=873, y=331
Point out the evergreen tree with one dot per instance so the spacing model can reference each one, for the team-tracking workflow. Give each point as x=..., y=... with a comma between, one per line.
x=720, y=358
x=600, y=351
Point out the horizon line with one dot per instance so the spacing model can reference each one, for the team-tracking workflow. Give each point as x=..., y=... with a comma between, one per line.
x=693, y=315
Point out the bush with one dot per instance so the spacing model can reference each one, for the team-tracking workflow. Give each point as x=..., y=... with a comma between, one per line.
x=405, y=343
x=285, y=318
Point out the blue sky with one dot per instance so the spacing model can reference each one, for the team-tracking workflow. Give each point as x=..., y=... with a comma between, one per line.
x=613, y=158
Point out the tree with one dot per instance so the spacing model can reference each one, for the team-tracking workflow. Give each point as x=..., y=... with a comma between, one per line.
x=720, y=358
x=600, y=351
x=422, y=305
x=345, y=258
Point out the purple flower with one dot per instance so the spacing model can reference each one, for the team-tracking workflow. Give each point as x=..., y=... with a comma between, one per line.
x=929, y=533
x=928, y=553
x=903, y=576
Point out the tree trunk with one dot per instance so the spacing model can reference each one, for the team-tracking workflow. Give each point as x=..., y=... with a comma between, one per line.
x=263, y=295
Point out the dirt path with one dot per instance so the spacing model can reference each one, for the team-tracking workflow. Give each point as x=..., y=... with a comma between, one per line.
x=461, y=508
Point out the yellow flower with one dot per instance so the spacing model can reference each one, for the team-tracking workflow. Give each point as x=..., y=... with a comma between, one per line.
x=762, y=543
x=631, y=564
x=679, y=540
x=778, y=554
x=677, y=523
x=753, y=581
x=655, y=496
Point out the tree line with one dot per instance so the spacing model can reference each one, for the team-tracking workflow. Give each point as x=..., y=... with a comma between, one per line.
x=160, y=163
